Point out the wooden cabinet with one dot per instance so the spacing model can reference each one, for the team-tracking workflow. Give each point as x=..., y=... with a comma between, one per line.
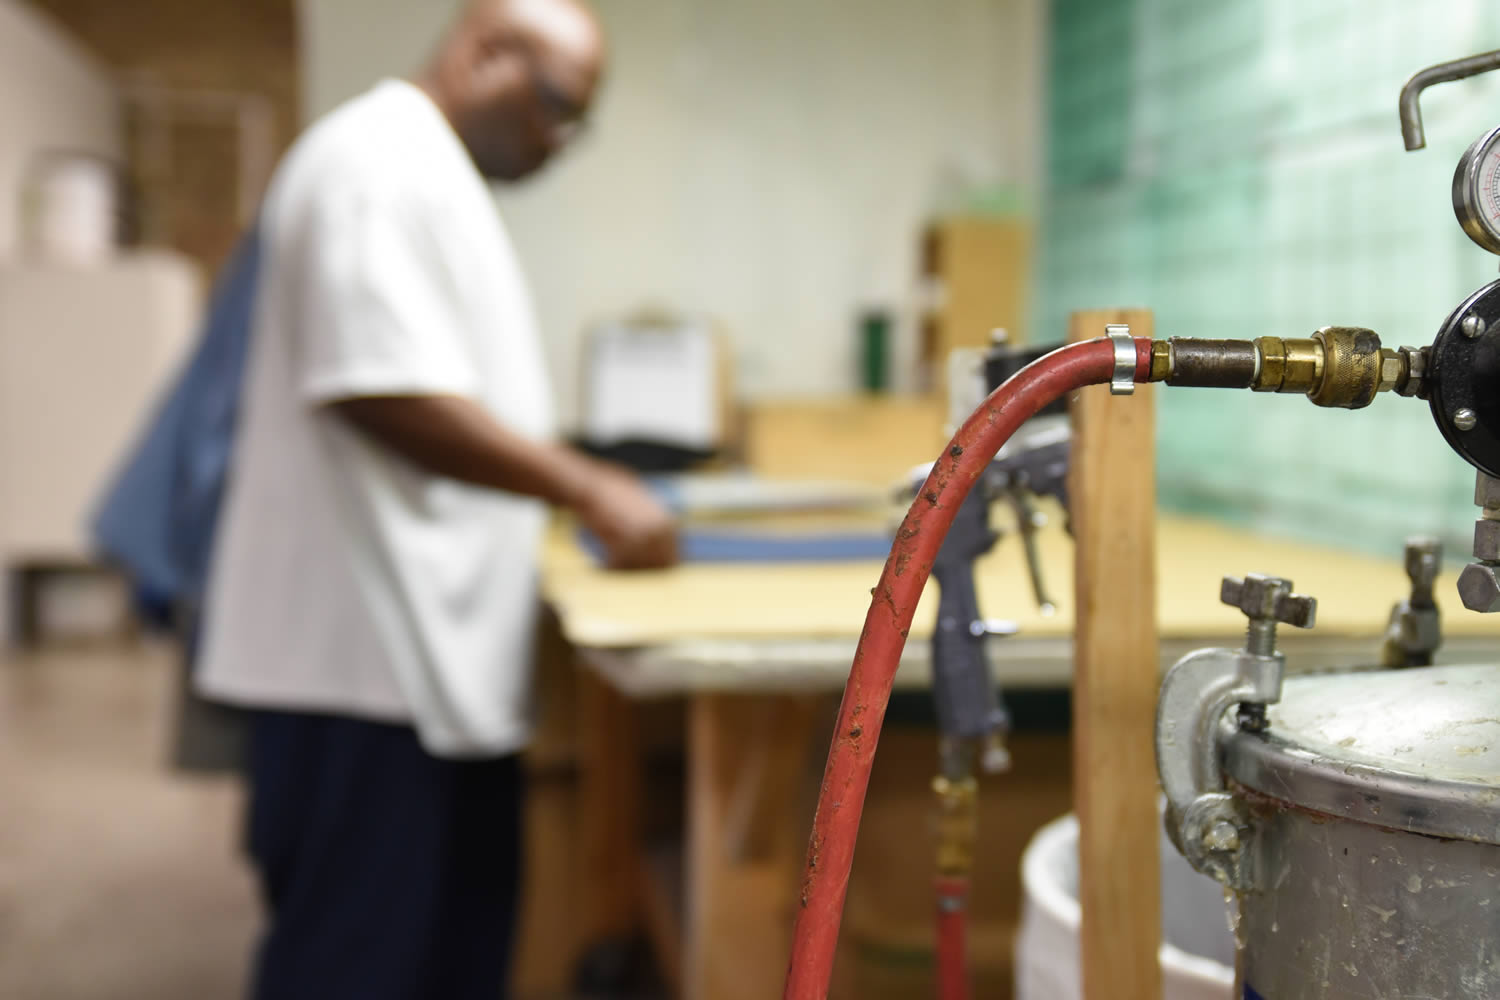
x=978, y=271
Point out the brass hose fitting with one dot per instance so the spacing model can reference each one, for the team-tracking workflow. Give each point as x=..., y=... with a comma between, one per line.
x=957, y=824
x=1340, y=366
x=1291, y=365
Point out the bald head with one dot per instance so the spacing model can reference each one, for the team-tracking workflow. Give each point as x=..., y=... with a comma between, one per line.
x=515, y=78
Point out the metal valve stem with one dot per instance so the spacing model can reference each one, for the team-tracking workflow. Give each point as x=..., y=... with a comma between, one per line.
x=1410, y=108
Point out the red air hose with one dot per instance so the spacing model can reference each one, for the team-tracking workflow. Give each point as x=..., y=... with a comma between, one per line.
x=952, y=938
x=830, y=850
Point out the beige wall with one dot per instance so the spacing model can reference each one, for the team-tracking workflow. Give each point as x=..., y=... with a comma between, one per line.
x=53, y=95
x=770, y=162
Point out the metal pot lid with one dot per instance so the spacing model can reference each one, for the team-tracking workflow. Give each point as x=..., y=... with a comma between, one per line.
x=1415, y=750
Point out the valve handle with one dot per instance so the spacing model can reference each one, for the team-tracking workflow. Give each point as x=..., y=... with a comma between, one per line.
x=1265, y=598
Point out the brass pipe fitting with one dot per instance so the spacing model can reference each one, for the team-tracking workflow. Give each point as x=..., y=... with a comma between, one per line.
x=957, y=824
x=1394, y=370
x=1291, y=365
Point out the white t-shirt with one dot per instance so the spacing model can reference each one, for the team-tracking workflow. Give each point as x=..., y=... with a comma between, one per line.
x=347, y=580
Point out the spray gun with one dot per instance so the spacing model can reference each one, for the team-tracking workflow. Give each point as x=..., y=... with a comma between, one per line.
x=969, y=708
x=1033, y=465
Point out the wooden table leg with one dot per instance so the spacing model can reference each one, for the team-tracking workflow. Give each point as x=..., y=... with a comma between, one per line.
x=1113, y=499
x=611, y=790
x=747, y=758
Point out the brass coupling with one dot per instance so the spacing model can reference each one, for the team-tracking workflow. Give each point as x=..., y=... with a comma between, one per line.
x=957, y=824
x=1338, y=366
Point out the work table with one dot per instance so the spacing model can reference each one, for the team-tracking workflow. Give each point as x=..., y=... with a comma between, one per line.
x=755, y=649
x=793, y=627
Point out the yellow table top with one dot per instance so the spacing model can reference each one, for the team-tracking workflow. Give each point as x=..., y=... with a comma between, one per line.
x=759, y=601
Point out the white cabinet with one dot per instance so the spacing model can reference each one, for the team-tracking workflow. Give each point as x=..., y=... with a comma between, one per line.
x=84, y=355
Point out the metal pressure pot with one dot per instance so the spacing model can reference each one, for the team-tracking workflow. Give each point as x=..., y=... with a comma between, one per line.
x=1355, y=816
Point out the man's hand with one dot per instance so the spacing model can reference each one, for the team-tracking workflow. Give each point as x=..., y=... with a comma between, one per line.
x=637, y=531
x=456, y=437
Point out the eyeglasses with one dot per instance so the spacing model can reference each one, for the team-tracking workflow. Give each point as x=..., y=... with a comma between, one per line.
x=565, y=113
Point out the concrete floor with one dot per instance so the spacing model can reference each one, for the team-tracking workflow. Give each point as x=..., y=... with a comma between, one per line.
x=118, y=879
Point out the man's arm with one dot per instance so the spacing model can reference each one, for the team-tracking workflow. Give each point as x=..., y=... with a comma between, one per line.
x=455, y=437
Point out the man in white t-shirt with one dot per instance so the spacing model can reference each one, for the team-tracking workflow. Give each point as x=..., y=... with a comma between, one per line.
x=373, y=592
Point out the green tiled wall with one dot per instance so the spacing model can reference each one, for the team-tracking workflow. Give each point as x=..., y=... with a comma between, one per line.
x=1237, y=167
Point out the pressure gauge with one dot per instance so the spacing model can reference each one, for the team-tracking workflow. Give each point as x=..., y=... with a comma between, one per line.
x=1476, y=191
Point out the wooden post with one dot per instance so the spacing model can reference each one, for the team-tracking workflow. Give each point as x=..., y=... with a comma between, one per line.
x=611, y=790
x=746, y=759
x=1112, y=487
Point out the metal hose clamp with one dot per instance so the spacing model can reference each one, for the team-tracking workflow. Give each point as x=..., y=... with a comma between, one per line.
x=1123, y=381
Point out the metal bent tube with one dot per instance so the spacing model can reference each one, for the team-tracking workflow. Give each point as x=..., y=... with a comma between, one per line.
x=1459, y=69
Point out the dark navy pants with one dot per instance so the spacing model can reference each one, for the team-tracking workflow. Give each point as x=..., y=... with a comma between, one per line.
x=388, y=874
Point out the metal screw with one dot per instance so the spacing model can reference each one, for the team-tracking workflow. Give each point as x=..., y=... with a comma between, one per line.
x=1222, y=836
x=1266, y=601
x=1472, y=326
x=1479, y=588
x=1465, y=419
x=1260, y=637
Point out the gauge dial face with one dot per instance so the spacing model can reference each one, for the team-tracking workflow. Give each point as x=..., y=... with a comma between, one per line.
x=1476, y=191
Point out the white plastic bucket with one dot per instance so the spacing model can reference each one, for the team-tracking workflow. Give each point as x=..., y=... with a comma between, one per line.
x=1197, y=954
